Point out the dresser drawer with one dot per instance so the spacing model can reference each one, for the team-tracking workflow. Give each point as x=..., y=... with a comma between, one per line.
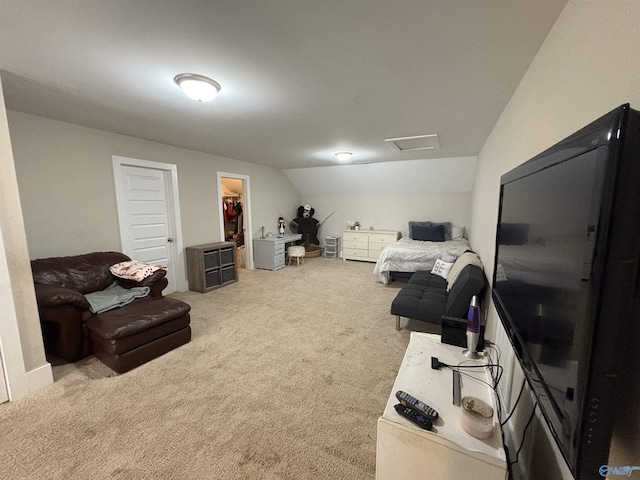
x=356, y=244
x=377, y=247
x=353, y=252
x=383, y=238
x=355, y=236
x=374, y=254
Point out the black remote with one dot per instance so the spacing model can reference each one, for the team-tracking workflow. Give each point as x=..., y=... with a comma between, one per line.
x=408, y=401
x=414, y=416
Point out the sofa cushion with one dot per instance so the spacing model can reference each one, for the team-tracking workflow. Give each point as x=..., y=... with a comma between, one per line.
x=420, y=303
x=424, y=277
x=470, y=282
x=467, y=258
x=136, y=317
x=82, y=273
x=425, y=296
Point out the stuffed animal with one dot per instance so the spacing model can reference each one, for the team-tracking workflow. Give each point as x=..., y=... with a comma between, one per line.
x=307, y=225
x=281, y=226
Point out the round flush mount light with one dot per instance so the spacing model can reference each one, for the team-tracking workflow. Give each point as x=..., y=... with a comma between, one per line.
x=198, y=87
x=343, y=156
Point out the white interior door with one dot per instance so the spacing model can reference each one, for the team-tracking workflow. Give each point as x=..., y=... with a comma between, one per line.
x=147, y=217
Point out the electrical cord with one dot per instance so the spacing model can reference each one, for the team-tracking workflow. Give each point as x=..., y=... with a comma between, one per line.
x=524, y=433
x=470, y=377
x=513, y=409
x=495, y=371
x=435, y=363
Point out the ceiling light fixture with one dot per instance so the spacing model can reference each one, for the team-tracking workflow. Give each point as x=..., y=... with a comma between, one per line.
x=198, y=87
x=344, y=156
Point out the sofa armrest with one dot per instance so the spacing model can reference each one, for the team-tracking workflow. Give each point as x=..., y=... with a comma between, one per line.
x=54, y=296
x=156, y=282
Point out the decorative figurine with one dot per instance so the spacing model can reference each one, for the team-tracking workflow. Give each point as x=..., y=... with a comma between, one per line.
x=281, y=226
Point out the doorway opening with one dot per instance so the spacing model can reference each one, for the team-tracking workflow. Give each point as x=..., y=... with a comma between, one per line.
x=235, y=214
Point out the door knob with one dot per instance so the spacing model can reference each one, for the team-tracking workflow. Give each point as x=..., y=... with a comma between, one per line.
x=170, y=240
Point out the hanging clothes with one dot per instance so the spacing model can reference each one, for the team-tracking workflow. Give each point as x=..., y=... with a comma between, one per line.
x=231, y=212
x=239, y=218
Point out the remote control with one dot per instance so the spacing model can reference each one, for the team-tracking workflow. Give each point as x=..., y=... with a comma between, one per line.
x=414, y=416
x=408, y=401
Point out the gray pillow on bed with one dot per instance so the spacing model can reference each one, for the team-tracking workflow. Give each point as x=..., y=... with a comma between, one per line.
x=429, y=233
x=447, y=229
x=417, y=224
x=446, y=225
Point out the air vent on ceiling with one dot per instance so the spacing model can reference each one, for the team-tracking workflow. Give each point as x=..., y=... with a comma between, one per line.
x=419, y=142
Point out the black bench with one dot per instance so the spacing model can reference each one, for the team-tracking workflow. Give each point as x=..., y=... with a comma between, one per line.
x=425, y=296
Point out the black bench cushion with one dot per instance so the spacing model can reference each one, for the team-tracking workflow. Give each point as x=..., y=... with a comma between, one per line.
x=425, y=296
x=470, y=282
x=426, y=278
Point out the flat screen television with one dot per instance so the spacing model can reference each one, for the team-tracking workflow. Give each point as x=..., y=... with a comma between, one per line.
x=566, y=279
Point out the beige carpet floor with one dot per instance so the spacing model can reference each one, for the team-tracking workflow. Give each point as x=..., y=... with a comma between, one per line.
x=285, y=377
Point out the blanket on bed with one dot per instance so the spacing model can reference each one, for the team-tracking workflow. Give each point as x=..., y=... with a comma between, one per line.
x=408, y=255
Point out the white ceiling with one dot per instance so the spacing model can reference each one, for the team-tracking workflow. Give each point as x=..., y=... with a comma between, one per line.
x=301, y=79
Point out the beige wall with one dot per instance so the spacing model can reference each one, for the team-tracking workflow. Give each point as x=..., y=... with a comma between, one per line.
x=67, y=190
x=66, y=202
x=387, y=195
x=587, y=66
x=389, y=211
x=17, y=257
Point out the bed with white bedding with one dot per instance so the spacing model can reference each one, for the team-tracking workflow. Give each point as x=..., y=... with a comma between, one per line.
x=407, y=255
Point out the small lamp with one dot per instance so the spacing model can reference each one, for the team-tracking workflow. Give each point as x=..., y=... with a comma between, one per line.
x=473, y=328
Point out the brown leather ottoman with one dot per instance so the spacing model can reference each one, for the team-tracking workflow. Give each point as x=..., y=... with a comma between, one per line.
x=129, y=336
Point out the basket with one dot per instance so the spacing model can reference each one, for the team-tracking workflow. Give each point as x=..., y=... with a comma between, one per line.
x=312, y=251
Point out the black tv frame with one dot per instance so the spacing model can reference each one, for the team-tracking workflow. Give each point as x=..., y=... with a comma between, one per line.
x=613, y=319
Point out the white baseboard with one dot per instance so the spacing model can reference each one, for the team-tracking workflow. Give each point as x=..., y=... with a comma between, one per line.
x=39, y=377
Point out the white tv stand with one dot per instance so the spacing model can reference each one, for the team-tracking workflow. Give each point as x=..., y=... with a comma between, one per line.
x=407, y=452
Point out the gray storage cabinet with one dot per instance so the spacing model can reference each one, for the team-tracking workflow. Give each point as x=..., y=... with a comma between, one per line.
x=212, y=266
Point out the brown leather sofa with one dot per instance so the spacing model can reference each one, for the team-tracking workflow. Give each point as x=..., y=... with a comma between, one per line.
x=60, y=285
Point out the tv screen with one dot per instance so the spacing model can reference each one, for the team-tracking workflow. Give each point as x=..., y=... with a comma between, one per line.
x=565, y=275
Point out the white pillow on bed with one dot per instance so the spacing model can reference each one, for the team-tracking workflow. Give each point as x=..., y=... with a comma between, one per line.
x=448, y=257
x=442, y=268
x=457, y=232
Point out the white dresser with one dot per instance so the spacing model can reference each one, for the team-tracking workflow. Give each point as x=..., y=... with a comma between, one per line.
x=366, y=245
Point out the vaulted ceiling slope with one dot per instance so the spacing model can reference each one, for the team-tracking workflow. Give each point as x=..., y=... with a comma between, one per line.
x=300, y=79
